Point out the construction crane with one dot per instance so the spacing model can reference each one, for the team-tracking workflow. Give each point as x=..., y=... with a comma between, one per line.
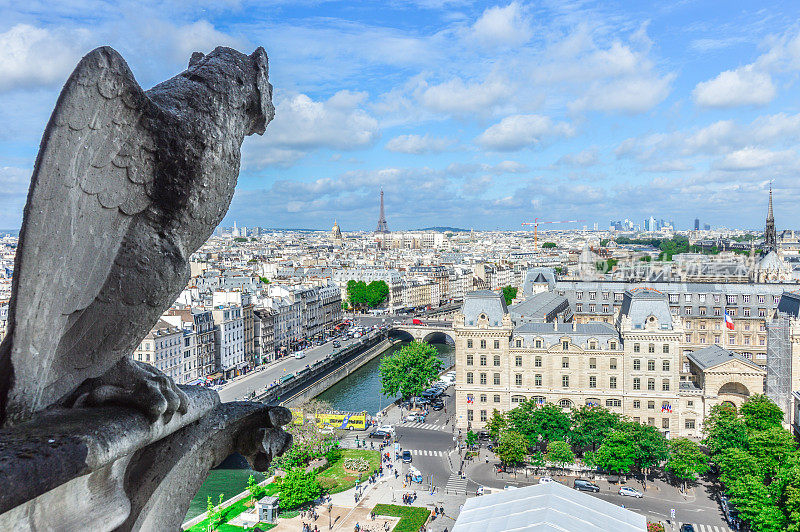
x=535, y=223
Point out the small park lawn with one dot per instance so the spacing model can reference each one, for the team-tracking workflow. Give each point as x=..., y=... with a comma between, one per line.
x=411, y=517
x=232, y=511
x=336, y=478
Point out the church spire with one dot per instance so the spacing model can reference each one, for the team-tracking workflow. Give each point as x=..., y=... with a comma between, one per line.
x=769, y=212
x=770, y=238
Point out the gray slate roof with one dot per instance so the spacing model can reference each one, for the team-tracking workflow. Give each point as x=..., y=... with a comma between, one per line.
x=714, y=355
x=790, y=304
x=540, y=307
x=538, y=276
x=551, y=333
x=641, y=303
x=546, y=507
x=492, y=304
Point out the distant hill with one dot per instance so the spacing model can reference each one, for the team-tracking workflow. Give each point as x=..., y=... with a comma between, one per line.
x=445, y=229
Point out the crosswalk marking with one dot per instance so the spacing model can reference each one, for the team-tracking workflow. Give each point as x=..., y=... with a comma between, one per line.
x=424, y=426
x=704, y=527
x=425, y=452
x=456, y=484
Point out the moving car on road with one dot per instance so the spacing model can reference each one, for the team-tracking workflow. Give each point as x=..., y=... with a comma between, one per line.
x=546, y=480
x=337, y=343
x=630, y=492
x=300, y=354
x=406, y=456
x=585, y=485
x=686, y=527
x=379, y=433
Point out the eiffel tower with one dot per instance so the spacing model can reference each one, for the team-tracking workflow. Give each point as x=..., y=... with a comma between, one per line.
x=382, y=226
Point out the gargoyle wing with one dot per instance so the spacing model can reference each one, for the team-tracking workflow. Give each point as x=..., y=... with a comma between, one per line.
x=93, y=174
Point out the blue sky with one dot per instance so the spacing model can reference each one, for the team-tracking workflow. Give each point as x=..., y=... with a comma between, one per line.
x=468, y=114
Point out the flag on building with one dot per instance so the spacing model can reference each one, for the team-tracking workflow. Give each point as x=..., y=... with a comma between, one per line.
x=666, y=408
x=728, y=321
x=469, y=400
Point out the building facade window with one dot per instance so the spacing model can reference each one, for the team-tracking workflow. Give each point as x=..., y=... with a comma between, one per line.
x=497, y=360
x=565, y=362
x=565, y=381
x=496, y=379
x=518, y=379
x=636, y=348
x=483, y=378
x=592, y=363
x=592, y=382
x=469, y=344
x=637, y=404
x=651, y=384
x=537, y=362
x=518, y=361
x=637, y=383
x=665, y=385
x=497, y=344
x=469, y=377
x=651, y=365
x=612, y=363
x=665, y=365
x=612, y=382
x=537, y=379
x=613, y=402
x=470, y=360
x=637, y=364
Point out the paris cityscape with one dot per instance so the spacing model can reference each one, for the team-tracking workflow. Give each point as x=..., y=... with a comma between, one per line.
x=381, y=287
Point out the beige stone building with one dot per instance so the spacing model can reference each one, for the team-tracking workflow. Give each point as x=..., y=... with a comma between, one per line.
x=535, y=351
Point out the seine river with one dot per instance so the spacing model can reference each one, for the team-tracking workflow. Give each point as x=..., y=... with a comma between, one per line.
x=357, y=392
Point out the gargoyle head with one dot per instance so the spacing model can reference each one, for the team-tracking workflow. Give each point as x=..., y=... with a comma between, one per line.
x=260, y=447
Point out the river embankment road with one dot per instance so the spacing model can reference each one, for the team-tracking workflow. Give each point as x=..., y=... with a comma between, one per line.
x=240, y=388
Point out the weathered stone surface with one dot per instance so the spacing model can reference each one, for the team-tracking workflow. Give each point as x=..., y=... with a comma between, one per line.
x=127, y=185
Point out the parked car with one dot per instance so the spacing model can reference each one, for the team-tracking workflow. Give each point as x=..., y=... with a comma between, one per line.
x=585, y=485
x=546, y=480
x=438, y=405
x=337, y=343
x=630, y=492
x=480, y=491
x=300, y=354
x=406, y=456
x=412, y=418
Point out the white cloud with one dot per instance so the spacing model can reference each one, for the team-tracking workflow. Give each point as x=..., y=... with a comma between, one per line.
x=455, y=96
x=744, y=86
x=418, y=144
x=632, y=94
x=587, y=157
x=35, y=56
x=302, y=125
x=752, y=158
x=518, y=131
x=504, y=26
x=199, y=36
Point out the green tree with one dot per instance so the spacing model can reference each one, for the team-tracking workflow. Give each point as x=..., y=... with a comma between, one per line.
x=650, y=445
x=410, y=370
x=496, y=425
x=685, y=460
x=540, y=425
x=760, y=413
x=590, y=425
x=560, y=453
x=549, y=245
x=617, y=454
x=253, y=487
x=472, y=439
x=757, y=505
x=723, y=430
x=264, y=280
x=214, y=513
x=771, y=448
x=509, y=293
x=298, y=487
x=737, y=463
x=512, y=448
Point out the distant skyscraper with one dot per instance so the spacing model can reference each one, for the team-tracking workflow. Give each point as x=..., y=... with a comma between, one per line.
x=382, y=226
x=770, y=238
x=697, y=224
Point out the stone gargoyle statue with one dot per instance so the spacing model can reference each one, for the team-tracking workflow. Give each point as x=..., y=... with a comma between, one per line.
x=127, y=185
